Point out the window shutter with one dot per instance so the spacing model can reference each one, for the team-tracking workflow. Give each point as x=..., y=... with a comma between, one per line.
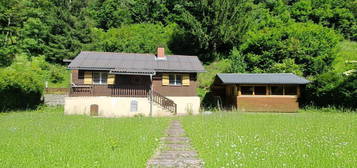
x=88, y=77
x=111, y=79
x=165, y=79
x=186, y=79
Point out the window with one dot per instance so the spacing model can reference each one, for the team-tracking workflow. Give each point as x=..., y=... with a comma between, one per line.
x=277, y=90
x=290, y=90
x=175, y=79
x=247, y=90
x=100, y=77
x=260, y=90
x=133, y=106
x=80, y=74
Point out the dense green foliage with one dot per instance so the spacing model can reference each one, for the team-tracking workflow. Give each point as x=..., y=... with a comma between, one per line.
x=332, y=89
x=311, y=46
x=55, y=28
x=22, y=83
x=19, y=89
x=306, y=139
x=47, y=138
x=135, y=38
x=299, y=36
x=59, y=29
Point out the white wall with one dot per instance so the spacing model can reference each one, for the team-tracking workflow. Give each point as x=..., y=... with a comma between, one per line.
x=120, y=106
x=186, y=104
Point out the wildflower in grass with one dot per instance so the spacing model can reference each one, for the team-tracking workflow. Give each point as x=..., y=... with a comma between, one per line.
x=114, y=143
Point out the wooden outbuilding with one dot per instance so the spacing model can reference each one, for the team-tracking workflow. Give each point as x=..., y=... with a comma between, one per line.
x=259, y=92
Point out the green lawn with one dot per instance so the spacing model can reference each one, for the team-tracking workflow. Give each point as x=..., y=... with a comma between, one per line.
x=47, y=138
x=305, y=139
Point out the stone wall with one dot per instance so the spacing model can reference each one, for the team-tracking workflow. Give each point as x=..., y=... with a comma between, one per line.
x=54, y=99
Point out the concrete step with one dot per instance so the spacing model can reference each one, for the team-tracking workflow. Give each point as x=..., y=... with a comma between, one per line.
x=177, y=147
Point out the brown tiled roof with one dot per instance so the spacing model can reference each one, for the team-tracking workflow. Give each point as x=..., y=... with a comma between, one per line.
x=142, y=62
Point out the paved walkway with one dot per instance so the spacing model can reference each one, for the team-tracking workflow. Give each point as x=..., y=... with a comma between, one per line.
x=175, y=150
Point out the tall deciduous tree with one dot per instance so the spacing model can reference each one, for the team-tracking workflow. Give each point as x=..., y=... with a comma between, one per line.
x=214, y=26
x=11, y=17
x=136, y=38
x=311, y=46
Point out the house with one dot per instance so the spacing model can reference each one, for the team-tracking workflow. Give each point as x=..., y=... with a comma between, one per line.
x=127, y=84
x=270, y=92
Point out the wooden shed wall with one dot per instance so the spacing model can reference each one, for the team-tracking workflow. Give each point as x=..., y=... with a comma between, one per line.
x=268, y=103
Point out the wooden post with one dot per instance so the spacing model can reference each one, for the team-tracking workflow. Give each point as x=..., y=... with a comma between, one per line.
x=298, y=90
x=253, y=90
x=234, y=90
x=151, y=95
x=283, y=89
x=239, y=91
x=267, y=90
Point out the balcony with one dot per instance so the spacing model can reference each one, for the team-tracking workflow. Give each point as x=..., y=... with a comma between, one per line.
x=110, y=90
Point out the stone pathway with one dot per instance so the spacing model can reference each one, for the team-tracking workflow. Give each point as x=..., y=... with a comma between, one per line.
x=175, y=150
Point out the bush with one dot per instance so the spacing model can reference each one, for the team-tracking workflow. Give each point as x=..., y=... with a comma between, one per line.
x=19, y=90
x=332, y=89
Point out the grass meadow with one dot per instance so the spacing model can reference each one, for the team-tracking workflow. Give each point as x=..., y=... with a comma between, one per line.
x=305, y=139
x=47, y=138
x=311, y=138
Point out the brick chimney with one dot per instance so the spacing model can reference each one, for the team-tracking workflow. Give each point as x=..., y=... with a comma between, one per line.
x=161, y=53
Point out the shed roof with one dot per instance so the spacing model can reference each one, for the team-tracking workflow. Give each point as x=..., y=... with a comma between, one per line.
x=143, y=62
x=261, y=78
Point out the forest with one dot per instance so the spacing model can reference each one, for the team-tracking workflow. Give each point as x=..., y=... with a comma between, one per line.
x=311, y=38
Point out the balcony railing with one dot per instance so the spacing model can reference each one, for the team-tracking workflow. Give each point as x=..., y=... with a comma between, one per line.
x=109, y=90
x=130, y=91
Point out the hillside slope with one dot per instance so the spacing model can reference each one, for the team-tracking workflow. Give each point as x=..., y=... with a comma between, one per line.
x=347, y=52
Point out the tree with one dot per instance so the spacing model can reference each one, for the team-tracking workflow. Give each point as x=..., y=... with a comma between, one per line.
x=11, y=17
x=237, y=62
x=112, y=13
x=213, y=26
x=311, y=46
x=287, y=66
x=330, y=13
x=136, y=38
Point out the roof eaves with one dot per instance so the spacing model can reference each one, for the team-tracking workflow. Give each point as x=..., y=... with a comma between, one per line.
x=178, y=70
x=88, y=68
